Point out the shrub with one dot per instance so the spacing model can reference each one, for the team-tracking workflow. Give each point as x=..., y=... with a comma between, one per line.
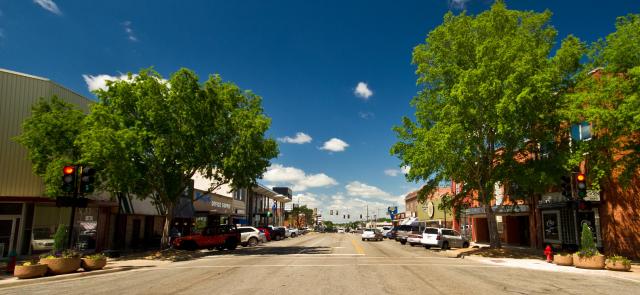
x=587, y=245
x=620, y=259
x=96, y=256
x=60, y=238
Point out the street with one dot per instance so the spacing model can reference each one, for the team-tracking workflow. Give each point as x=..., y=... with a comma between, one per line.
x=331, y=263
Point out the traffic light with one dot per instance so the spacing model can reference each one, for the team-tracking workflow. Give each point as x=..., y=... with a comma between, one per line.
x=360, y=216
x=344, y=216
x=581, y=184
x=269, y=214
x=87, y=178
x=566, y=186
x=348, y=216
x=69, y=179
x=330, y=212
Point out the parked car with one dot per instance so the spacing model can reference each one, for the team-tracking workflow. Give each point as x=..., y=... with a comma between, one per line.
x=250, y=236
x=414, y=239
x=392, y=233
x=341, y=230
x=405, y=230
x=385, y=230
x=219, y=237
x=41, y=239
x=372, y=234
x=293, y=232
x=266, y=232
x=443, y=238
x=277, y=232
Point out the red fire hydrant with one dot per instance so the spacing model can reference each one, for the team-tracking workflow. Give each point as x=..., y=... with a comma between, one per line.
x=549, y=252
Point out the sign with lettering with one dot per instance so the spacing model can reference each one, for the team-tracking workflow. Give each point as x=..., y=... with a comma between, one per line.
x=592, y=196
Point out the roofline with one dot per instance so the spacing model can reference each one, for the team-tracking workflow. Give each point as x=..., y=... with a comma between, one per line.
x=46, y=80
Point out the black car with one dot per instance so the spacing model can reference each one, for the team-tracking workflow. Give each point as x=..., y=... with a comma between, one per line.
x=392, y=233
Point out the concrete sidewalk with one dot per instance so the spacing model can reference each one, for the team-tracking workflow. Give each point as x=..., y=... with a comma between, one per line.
x=538, y=264
x=112, y=266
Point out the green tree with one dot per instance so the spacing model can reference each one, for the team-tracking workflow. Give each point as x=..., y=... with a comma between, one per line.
x=50, y=136
x=148, y=136
x=609, y=99
x=491, y=97
x=300, y=213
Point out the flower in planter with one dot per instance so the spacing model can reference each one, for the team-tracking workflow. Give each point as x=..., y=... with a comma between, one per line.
x=615, y=259
x=95, y=256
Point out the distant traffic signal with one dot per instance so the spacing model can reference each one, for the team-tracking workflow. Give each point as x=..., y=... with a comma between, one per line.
x=360, y=216
x=348, y=216
x=69, y=174
x=581, y=184
x=566, y=186
x=87, y=178
x=330, y=212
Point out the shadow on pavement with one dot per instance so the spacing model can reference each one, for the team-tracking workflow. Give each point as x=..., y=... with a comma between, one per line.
x=184, y=255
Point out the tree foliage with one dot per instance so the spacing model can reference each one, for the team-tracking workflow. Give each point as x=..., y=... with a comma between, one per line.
x=490, y=99
x=608, y=97
x=50, y=137
x=148, y=136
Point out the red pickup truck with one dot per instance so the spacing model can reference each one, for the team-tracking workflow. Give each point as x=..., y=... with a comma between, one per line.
x=219, y=237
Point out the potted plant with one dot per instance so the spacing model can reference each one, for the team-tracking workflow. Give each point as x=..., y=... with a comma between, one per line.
x=619, y=263
x=94, y=262
x=66, y=262
x=30, y=269
x=588, y=256
x=563, y=258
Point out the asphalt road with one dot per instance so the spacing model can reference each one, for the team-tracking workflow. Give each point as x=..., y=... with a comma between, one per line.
x=332, y=264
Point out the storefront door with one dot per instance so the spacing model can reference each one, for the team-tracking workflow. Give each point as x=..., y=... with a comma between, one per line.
x=6, y=235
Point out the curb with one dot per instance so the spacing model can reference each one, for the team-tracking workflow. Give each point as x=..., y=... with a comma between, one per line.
x=24, y=282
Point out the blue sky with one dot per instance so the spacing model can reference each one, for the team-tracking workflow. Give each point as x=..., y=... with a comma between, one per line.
x=305, y=58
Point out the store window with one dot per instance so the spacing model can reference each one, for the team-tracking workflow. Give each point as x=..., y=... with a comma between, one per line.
x=551, y=226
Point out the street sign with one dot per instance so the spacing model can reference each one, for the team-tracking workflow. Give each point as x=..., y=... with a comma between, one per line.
x=592, y=196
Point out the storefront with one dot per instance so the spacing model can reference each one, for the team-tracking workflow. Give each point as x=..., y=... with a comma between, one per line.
x=212, y=209
x=513, y=222
x=562, y=220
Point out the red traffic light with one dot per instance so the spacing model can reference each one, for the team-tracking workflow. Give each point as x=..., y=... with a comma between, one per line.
x=68, y=170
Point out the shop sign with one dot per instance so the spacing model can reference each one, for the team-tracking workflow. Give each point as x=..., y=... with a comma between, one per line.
x=219, y=204
x=592, y=196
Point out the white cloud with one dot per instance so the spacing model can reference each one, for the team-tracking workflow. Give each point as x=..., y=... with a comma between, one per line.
x=392, y=172
x=300, y=138
x=356, y=188
x=396, y=172
x=48, y=5
x=334, y=145
x=100, y=81
x=298, y=179
x=458, y=4
x=366, y=115
x=130, y=34
x=362, y=90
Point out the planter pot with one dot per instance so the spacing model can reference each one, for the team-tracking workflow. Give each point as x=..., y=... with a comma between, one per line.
x=594, y=262
x=30, y=271
x=618, y=266
x=566, y=260
x=58, y=266
x=89, y=264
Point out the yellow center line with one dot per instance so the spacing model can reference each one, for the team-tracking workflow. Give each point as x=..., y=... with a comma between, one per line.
x=357, y=246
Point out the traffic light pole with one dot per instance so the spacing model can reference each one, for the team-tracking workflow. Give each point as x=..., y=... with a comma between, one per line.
x=73, y=217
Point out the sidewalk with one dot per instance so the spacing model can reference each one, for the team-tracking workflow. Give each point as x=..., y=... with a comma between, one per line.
x=539, y=264
x=112, y=266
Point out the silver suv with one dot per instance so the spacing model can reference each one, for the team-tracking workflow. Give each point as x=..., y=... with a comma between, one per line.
x=443, y=238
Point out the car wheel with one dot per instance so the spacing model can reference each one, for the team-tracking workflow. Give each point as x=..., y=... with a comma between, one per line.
x=231, y=244
x=445, y=245
x=220, y=248
x=465, y=245
x=252, y=242
x=403, y=242
x=293, y=235
x=363, y=239
x=191, y=246
x=427, y=247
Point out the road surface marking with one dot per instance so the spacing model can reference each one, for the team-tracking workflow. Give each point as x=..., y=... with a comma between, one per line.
x=357, y=246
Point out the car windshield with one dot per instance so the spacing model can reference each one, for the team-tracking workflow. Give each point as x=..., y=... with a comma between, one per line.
x=368, y=229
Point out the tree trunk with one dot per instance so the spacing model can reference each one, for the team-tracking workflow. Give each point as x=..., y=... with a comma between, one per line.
x=164, y=242
x=494, y=236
